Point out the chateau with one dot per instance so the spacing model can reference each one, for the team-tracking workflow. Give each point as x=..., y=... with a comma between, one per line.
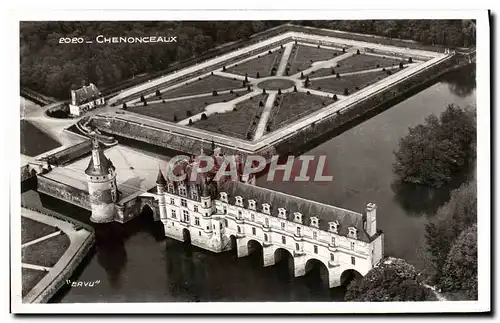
x=225, y=215
x=84, y=99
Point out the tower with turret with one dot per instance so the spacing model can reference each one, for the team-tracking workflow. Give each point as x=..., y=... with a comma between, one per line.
x=101, y=181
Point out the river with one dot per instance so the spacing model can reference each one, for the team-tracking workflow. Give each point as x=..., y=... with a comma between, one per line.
x=134, y=264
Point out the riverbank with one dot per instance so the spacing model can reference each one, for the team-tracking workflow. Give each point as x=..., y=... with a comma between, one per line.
x=51, y=258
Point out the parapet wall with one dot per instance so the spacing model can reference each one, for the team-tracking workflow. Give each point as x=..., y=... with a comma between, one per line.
x=71, y=153
x=63, y=192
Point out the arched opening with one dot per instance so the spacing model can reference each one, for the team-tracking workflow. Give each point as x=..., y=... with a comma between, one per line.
x=154, y=227
x=284, y=263
x=317, y=273
x=348, y=276
x=255, y=252
x=186, y=236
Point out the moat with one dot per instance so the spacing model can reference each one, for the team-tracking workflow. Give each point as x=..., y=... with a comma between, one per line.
x=134, y=263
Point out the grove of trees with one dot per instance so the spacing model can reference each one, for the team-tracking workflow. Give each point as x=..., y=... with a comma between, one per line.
x=451, y=244
x=393, y=280
x=432, y=152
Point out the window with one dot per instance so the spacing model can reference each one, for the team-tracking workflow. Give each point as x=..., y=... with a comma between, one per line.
x=173, y=214
x=182, y=191
x=252, y=217
x=239, y=213
x=172, y=201
x=195, y=208
x=332, y=257
x=333, y=241
x=266, y=208
x=265, y=237
x=239, y=201
x=186, y=215
x=254, y=232
x=225, y=210
x=297, y=217
x=199, y=233
x=283, y=240
x=352, y=245
x=297, y=247
x=353, y=260
x=223, y=196
x=315, y=249
x=315, y=235
x=282, y=225
x=239, y=229
x=298, y=231
x=314, y=222
x=267, y=222
x=196, y=221
x=184, y=202
x=251, y=204
x=226, y=224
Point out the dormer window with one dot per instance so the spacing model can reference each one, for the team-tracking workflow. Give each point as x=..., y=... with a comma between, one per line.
x=314, y=222
x=194, y=193
x=223, y=197
x=266, y=208
x=239, y=201
x=251, y=204
x=297, y=217
x=171, y=187
x=353, y=233
x=334, y=226
x=182, y=190
x=282, y=213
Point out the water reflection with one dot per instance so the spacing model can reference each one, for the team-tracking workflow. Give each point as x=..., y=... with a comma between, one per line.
x=462, y=82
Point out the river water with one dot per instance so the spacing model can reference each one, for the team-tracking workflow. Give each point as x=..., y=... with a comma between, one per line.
x=134, y=263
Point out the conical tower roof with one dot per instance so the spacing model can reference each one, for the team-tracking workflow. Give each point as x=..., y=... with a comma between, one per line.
x=103, y=165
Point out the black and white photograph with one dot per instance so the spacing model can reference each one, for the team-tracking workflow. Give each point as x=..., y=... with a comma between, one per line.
x=338, y=162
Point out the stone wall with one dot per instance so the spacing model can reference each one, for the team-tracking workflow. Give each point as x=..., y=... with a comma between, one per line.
x=66, y=155
x=63, y=191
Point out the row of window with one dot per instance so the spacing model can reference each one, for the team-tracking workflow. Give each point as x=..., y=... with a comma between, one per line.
x=184, y=204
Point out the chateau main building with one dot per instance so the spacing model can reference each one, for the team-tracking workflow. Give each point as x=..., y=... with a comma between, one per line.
x=224, y=215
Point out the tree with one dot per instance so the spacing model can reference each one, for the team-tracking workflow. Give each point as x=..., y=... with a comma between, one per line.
x=357, y=52
x=261, y=104
x=432, y=152
x=175, y=118
x=214, y=93
x=204, y=116
x=142, y=98
x=257, y=75
x=263, y=91
x=249, y=88
x=190, y=122
x=346, y=91
x=307, y=82
x=246, y=77
x=338, y=75
x=335, y=98
x=393, y=280
x=279, y=91
x=333, y=71
x=224, y=68
x=124, y=106
x=458, y=214
x=410, y=60
x=158, y=93
x=343, y=49
x=460, y=269
x=145, y=103
x=295, y=88
x=301, y=75
x=189, y=113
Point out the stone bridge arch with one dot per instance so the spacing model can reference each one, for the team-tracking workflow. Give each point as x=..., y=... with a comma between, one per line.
x=349, y=275
x=152, y=204
x=319, y=269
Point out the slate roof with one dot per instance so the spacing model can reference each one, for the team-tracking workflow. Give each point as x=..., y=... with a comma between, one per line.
x=86, y=94
x=105, y=163
x=325, y=213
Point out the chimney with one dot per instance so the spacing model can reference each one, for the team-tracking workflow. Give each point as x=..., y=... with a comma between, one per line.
x=371, y=219
x=73, y=97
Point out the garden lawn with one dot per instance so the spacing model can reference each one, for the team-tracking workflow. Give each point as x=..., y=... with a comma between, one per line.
x=237, y=123
x=337, y=86
x=263, y=65
x=166, y=111
x=31, y=277
x=297, y=105
x=31, y=229
x=303, y=56
x=47, y=252
x=206, y=85
x=361, y=62
x=34, y=141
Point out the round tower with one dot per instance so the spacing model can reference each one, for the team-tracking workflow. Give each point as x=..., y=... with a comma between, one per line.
x=101, y=181
x=160, y=188
x=205, y=199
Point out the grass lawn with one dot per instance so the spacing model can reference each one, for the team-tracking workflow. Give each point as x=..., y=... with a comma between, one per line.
x=297, y=105
x=31, y=277
x=359, y=63
x=236, y=123
x=302, y=56
x=263, y=65
x=34, y=141
x=205, y=85
x=31, y=229
x=166, y=111
x=337, y=86
x=47, y=252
